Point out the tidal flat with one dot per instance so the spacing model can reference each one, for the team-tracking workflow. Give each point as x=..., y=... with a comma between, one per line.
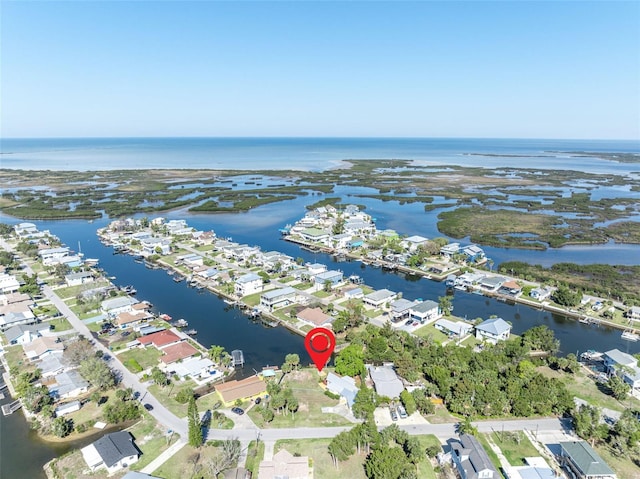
x=505, y=207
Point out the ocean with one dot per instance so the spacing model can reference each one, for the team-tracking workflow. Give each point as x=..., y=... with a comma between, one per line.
x=311, y=154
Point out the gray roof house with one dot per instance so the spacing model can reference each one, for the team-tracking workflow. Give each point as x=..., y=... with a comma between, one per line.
x=583, y=461
x=118, y=305
x=278, y=297
x=68, y=384
x=425, y=310
x=400, y=308
x=377, y=298
x=493, y=330
x=112, y=451
x=345, y=386
x=385, y=381
x=25, y=333
x=471, y=460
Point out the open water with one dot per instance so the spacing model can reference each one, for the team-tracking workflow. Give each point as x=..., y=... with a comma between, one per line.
x=22, y=454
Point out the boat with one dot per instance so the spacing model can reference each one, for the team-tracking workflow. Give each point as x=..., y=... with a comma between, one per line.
x=92, y=261
x=591, y=354
x=630, y=336
x=355, y=279
x=129, y=289
x=181, y=323
x=191, y=332
x=178, y=279
x=165, y=317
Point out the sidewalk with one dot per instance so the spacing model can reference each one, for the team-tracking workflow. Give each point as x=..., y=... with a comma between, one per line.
x=164, y=457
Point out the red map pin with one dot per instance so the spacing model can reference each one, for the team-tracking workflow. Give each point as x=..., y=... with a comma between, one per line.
x=320, y=343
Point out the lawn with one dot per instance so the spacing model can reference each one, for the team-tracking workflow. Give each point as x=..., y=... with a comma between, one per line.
x=167, y=394
x=311, y=399
x=322, y=294
x=425, y=468
x=145, y=357
x=515, y=446
x=151, y=439
x=60, y=324
x=492, y=455
x=252, y=299
x=72, y=291
x=323, y=467
x=14, y=355
x=429, y=331
x=623, y=466
x=581, y=386
x=254, y=456
x=188, y=462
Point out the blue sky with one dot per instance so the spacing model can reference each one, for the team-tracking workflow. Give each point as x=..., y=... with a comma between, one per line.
x=418, y=69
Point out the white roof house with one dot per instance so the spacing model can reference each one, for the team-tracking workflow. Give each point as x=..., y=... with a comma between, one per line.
x=455, y=327
x=493, y=330
x=8, y=283
x=248, y=284
x=345, y=386
x=385, y=380
x=380, y=297
x=278, y=297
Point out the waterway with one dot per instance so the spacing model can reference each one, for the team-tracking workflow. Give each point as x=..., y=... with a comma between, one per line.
x=217, y=323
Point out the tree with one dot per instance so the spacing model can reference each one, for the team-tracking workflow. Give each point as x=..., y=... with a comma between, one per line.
x=408, y=402
x=291, y=362
x=619, y=389
x=341, y=447
x=292, y=405
x=540, y=338
x=225, y=457
x=97, y=373
x=467, y=427
x=350, y=361
x=195, y=428
x=339, y=324
x=423, y=402
x=586, y=422
x=159, y=377
x=445, y=305
x=364, y=403
x=388, y=463
x=61, y=426
x=184, y=395
x=78, y=351
x=565, y=297
x=61, y=270
x=327, y=285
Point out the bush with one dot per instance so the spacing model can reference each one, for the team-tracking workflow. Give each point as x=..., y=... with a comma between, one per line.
x=331, y=395
x=184, y=395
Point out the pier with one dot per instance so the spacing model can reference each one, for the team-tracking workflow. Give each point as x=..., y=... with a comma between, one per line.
x=10, y=408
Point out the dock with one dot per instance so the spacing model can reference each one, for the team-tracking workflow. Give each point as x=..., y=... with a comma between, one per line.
x=10, y=408
x=237, y=358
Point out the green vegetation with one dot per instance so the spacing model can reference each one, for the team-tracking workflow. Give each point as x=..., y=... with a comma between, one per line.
x=515, y=446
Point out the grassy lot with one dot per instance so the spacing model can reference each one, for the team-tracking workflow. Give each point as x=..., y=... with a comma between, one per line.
x=254, y=456
x=72, y=291
x=515, y=446
x=302, y=286
x=425, y=468
x=322, y=294
x=323, y=467
x=252, y=299
x=492, y=455
x=15, y=357
x=145, y=357
x=91, y=412
x=206, y=247
x=430, y=331
x=441, y=416
x=311, y=399
x=151, y=440
x=167, y=394
x=373, y=313
x=73, y=466
x=581, y=386
x=623, y=466
x=188, y=462
x=60, y=324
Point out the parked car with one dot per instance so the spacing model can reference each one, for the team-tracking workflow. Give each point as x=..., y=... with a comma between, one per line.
x=148, y=407
x=408, y=322
x=394, y=415
x=126, y=333
x=237, y=410
x=402, y=412
x=257, y=401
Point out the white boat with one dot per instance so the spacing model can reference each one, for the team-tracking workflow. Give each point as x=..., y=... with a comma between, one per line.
x=630, y=336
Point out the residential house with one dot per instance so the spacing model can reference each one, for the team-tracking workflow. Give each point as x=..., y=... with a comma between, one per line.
x=458, y=328
x=510, y=288
x=625, y=366
x=315, y=268
x=412, y=243
x=401, y=309
x=284, y=465
x=15, y=314
x=385, y=380
x=535, y=468
x=208, y=273
x=142, y=475
x=278, y=298
x=76, y=279
x=196, y=368
x=42, y=347
x=49, y=255
x=206, y=238
x=358, y=226
x=249, y=283
x=314, y=317
x=583, y=462
x=178, y=351
x=344, y=386
x=540, y=293
x=52, y=365
x=132, y=319
x=314, y=235
x=25, y=229
x=450, y=249
x=8, y=283
x=24, y=334
x=634, y=313
x=113, y=452
x=160, y=339
x=151, y=246
x=244, y=389
x=341, y=241
x=425, y=311
x=67, y=408
x=353, y=293
x=379, y=298
x=73, y=261
x=115, y=306
x=471, y=460
x=491, y=283
x=474, y=253
x=493, y=330
x=333, y=277
x=69, y=384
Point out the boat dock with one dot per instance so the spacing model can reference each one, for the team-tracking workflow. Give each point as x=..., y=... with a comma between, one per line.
x=10, y=408
x=237, y=358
